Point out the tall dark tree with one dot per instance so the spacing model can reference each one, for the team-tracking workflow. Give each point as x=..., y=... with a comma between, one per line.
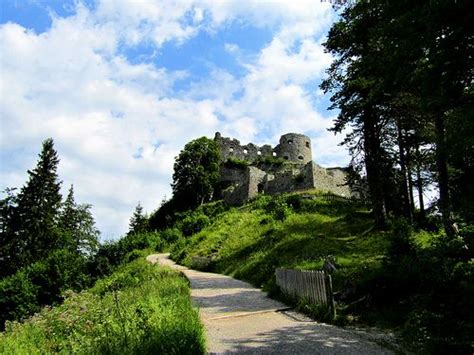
x=196, y=171
x=385, y=53
x=353, y=79
x=138, y=221
x=39, y=202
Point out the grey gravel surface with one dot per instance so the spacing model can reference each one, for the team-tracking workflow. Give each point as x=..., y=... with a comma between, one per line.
x=241, y=319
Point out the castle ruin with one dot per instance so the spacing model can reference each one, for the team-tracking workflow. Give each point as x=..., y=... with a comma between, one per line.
x=248, y=170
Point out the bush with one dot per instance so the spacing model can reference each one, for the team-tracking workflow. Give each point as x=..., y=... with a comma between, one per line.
x=18, y=297
x=193, y=223
x=171, y=235
x=140, y=309
x=278, y=208
x=178, y=250
x=41, y=283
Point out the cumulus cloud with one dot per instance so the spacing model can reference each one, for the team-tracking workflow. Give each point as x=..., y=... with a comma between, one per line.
x=118, y=125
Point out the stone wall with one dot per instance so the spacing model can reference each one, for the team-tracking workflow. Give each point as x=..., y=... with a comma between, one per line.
x=295, y=147
x=231, y=148
x=331, y=179
x=240, y=184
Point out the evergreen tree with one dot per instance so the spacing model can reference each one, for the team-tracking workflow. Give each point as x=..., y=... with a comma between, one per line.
x=39, y=202
x=138, y=222
x=78, y=226
x=9, y=246
x=402, y=79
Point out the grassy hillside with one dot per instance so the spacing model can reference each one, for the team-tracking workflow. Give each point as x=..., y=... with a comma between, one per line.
x=140, y=308
x=250, y=241
x=413, y=281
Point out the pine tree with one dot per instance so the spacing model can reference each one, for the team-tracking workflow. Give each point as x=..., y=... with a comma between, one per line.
x=39, y=202
x=138, y=222
x=9, y=248
x=77, y=226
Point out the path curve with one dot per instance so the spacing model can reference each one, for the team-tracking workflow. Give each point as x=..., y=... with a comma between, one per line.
x=240, y=318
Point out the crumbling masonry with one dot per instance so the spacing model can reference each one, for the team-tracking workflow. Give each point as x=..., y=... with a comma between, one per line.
x=287, y=167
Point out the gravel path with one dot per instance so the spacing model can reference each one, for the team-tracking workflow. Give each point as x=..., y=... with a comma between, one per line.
x=240, y=318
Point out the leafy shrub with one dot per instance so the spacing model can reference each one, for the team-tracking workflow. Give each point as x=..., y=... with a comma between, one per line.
x=41, y=283
x=170, y=235
x=18, y=297
x=278, y=208
x=141, y=308
x=213, y=209
x=193, y=223
x=178, y=250
x=236, y=163
x=401, y=241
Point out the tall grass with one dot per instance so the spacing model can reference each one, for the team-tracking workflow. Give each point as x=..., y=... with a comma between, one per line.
x=141, y=308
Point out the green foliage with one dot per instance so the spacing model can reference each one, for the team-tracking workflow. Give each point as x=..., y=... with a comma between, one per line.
x=408, y=106
x=46, y=245
x=111, y=254
x=78, y=226
x=18, y=297
x=139, y=221
x=193, y=223
x=196, y=171
x=236, y=163
x=278, y=208
x=141, y=308
x=275, y=162
x=41, y=283
x=383, y=278
x=29, y=219
x=171, y=235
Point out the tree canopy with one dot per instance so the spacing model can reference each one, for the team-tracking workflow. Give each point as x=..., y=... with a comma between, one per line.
x=196, y=171
x=402, y=79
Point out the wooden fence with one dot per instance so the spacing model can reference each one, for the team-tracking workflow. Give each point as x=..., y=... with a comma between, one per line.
x=313, y=286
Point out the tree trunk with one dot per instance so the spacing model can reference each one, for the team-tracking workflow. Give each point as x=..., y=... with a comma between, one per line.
x=419, y=185
x=405, y=196
x=374, y=172
x=443, y=176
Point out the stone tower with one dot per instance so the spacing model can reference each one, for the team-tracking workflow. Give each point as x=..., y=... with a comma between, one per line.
x=295, y=147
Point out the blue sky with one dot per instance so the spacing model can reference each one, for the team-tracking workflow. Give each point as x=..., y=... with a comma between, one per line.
x=121, y=86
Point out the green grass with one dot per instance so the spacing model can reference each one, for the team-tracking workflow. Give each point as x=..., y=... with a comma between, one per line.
x=139, y=309
x=413, y=282
x=249, y=243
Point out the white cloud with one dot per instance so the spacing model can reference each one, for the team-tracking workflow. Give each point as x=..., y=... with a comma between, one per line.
x=73, y=84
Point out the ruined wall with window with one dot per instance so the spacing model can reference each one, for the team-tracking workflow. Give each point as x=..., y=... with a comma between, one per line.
x=293, y=147
x=293, y=169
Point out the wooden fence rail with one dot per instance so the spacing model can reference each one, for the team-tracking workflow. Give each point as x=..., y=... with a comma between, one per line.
x=313, y=286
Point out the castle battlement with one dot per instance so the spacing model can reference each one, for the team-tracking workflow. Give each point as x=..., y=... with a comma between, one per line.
x=238, y=184
x=293, y=147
